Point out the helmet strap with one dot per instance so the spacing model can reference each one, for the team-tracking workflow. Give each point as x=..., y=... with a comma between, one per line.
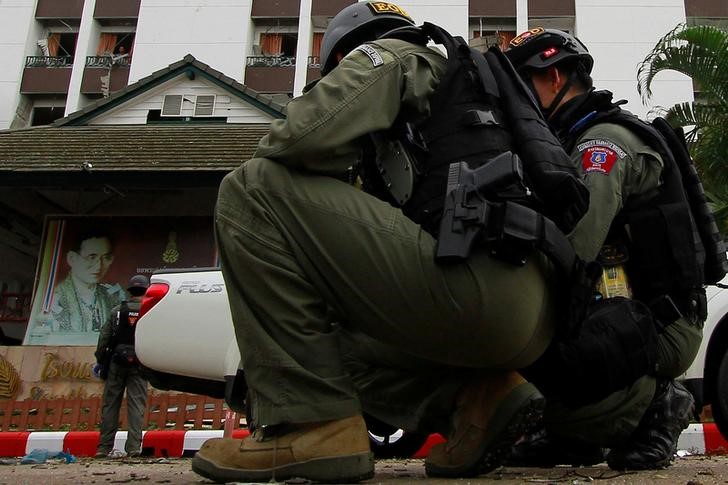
x=549, y=111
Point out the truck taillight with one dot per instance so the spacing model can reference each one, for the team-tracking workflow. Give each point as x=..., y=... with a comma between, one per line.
x=153, y=295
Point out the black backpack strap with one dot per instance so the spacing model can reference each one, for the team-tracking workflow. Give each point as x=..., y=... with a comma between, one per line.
x=457, y=48
x=548, y=168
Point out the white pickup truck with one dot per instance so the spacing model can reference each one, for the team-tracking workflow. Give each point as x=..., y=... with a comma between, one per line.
x=186, y=341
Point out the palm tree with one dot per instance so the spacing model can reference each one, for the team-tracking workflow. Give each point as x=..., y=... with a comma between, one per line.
x=700, y=52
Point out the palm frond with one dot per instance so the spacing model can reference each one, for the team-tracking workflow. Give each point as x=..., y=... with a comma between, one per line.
x=700, y=52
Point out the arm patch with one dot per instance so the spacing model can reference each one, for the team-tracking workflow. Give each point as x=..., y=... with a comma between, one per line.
x=372, y=54
x=599, y=156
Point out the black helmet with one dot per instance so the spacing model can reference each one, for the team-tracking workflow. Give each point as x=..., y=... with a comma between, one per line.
x=539, y=48
x=356, y=24
x=138, y=284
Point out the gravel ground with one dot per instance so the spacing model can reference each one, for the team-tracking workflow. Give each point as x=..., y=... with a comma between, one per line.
x=692, y=470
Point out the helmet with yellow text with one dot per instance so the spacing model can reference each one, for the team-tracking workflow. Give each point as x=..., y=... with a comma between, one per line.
x=539, y=48
x=356, y=24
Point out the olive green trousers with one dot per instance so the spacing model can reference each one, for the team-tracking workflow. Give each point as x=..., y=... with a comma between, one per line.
x=339, y=306
x=122, y=378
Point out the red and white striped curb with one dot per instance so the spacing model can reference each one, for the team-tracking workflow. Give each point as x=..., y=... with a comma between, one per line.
x=703, y=439
x=697, y=439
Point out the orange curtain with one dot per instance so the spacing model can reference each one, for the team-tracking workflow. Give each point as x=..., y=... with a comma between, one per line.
x=271, y=44
x=54, y=42
x=316, y=48
x=505, y=39
x=107, y=42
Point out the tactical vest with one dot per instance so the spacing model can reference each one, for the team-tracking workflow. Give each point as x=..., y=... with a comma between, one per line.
x=674, y=243
x=480, y=110
x=122, y=332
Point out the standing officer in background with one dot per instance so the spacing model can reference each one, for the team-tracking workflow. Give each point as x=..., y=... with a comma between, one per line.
x=308, y=258
x=629, y=189
x=118, y=365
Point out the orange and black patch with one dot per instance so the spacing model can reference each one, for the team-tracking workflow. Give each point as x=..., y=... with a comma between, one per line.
x=379, y=8
x=526, y=36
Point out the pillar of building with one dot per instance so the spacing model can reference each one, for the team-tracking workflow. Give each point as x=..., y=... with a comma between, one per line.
x=620, y=34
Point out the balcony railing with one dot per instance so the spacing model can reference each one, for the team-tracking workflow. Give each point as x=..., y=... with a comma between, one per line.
x=271, y=61
x=49, y=61
x=314, y=62
x=107, y=61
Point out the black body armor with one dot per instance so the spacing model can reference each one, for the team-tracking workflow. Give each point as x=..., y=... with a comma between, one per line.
x=674, y=249
x=480, y=110
x=125, y=324
x=674, y=244
x=122, y=334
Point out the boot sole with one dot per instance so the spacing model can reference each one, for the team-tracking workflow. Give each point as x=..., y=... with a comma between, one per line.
x=340, y=469
x=519, y=413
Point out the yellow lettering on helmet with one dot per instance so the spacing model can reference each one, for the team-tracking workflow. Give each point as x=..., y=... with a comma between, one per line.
x=390, y=8
x=530, y=33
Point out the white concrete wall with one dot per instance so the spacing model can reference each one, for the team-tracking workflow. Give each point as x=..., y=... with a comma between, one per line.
x=216, y=33
x=619, y=34
x=303, y=47
x=88, y=41
x=451, y=15
x=220, y=33
x=17, y=23
x=226, y=105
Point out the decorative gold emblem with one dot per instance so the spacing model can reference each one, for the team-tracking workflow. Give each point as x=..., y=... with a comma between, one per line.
x=171, y=254
x=9, y=380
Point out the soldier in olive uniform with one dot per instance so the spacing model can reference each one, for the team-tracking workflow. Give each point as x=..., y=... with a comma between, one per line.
x=308, y=258
x=118, y=365
x=623, y=172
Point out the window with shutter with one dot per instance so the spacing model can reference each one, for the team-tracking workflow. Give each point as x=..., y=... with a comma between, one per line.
x=172, y=105
x=204, y=105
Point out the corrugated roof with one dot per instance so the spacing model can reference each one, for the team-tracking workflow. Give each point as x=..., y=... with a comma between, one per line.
x=133, y=147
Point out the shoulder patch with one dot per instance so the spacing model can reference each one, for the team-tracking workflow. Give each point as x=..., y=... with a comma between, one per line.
x=372, y=54
x=599, y=156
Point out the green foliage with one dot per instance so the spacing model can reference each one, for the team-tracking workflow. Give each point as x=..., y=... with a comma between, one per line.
x=700, y=52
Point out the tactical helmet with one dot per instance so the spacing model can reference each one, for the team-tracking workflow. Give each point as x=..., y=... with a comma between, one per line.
x=539, y=48
x=138, y=284
x=358, y=23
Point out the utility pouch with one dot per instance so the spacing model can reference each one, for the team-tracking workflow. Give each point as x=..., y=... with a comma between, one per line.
x=616, y=345
x=665, y=311
x=125, y=356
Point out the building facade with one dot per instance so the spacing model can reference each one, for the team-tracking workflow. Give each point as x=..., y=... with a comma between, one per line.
x=60, y=56
x=122, y=111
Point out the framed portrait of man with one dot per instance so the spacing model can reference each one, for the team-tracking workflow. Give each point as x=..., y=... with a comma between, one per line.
x=85, y=263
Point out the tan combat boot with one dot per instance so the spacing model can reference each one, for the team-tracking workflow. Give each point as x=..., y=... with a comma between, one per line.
x=330, y=451
x=491, y=414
